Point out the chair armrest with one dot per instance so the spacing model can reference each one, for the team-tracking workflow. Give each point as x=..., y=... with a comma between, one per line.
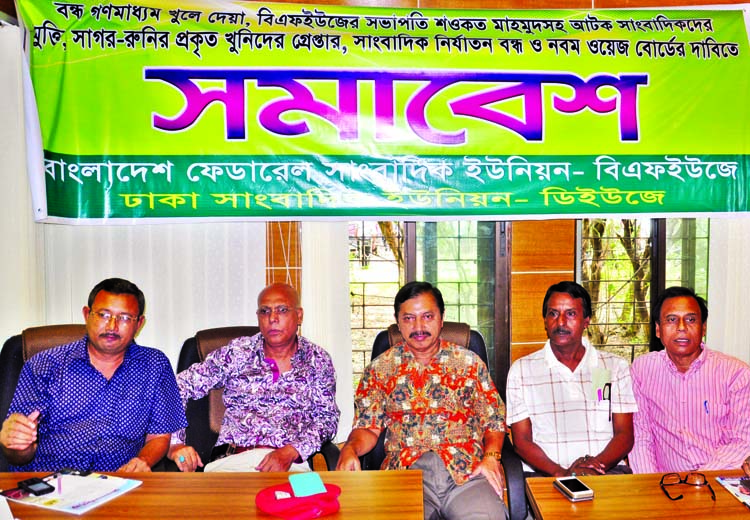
x=165, y=464
x=373, y=459
x=330, y=454
x=514, y=480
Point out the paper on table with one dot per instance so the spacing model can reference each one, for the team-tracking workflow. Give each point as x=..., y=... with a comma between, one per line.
x=76, y=494
x=306, y=484
x=5, y=512
x=733, y=485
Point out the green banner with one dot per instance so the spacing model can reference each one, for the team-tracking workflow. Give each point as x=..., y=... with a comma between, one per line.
x=258, y=110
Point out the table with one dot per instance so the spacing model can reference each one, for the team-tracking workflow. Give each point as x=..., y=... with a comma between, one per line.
x=364, y=494
x=636, y=496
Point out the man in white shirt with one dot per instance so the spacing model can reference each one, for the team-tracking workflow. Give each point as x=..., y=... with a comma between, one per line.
x=570, y=407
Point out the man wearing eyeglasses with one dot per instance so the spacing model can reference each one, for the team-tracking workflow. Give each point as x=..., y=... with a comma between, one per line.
x=693, y=402
x=279, y=392
x=570, y=406
x=101, y=403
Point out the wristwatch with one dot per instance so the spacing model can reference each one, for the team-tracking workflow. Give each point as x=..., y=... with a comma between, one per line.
x=494, y=454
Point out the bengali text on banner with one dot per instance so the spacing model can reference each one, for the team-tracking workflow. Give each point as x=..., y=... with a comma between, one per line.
x=207, y=109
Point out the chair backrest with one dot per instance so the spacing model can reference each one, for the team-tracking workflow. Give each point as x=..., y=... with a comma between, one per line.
x=460, y=334
x=19, y=348
x=453, y=331
x=206, y=415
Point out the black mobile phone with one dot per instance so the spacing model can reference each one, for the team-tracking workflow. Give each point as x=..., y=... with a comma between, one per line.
x=574, y=489
x=36, y=486
x=73, y=471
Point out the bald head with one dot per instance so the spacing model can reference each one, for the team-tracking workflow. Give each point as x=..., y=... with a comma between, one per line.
x=288, y=292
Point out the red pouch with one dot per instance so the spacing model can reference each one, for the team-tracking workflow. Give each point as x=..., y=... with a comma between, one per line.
x=298, y=508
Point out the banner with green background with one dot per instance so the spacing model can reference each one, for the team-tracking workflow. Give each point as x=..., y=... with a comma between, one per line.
x=202, y=109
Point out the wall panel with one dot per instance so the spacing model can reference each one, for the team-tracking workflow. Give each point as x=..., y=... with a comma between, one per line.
x=543, y=253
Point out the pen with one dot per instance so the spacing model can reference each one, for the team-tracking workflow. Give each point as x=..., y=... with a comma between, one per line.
x=705, y=406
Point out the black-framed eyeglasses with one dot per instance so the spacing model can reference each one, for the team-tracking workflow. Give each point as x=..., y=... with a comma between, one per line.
x=691, y=479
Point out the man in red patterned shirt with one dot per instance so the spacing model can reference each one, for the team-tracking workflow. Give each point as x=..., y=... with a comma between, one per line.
x=442, y=411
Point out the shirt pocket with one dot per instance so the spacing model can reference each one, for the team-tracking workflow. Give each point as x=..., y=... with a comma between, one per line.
x=603, y=416
x=131, y=419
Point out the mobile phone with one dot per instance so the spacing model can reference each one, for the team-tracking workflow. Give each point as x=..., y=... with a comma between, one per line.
x=36, y=486
x=73, y=471
x=573, y=489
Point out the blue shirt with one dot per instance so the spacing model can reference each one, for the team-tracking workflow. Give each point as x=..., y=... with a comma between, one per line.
x=88, y=422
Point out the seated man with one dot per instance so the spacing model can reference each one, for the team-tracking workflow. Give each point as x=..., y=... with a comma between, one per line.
x=693, y=402
x=746, y=466
x=102, y=403
x=279, y=393
x=570, y=406
x=443, y=413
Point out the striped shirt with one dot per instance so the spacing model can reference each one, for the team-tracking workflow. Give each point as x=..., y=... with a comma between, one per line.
x=693, y=420
x=568, y=419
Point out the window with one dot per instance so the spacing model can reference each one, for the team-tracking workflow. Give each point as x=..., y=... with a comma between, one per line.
x=376, y=272
x=687, y=254
x=456, y=256
x=465, y=259
x=617, y=258
x=459, y=257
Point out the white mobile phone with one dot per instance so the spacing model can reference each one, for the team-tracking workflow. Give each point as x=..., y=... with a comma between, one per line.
x=573, y=489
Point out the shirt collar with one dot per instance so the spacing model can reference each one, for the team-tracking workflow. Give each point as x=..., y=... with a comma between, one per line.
x=301, y=355
x=405, y=351
x=81, y=349
x=694, y=366
x=590, y=358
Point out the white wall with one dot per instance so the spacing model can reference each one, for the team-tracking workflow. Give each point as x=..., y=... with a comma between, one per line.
x=325, y=298
x=21, y=271
x=194, y=276
x=728, y=285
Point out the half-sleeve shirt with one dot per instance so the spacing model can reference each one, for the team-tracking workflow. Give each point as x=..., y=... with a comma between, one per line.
x=446, y=406
x=569, y=418
x=88, y=422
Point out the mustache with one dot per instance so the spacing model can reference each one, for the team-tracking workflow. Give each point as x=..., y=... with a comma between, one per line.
x=419, y=333
x=561, y=330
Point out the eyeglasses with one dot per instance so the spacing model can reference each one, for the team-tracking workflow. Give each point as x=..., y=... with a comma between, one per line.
x=121, y=319
x=281, y=310
x=692, y=479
